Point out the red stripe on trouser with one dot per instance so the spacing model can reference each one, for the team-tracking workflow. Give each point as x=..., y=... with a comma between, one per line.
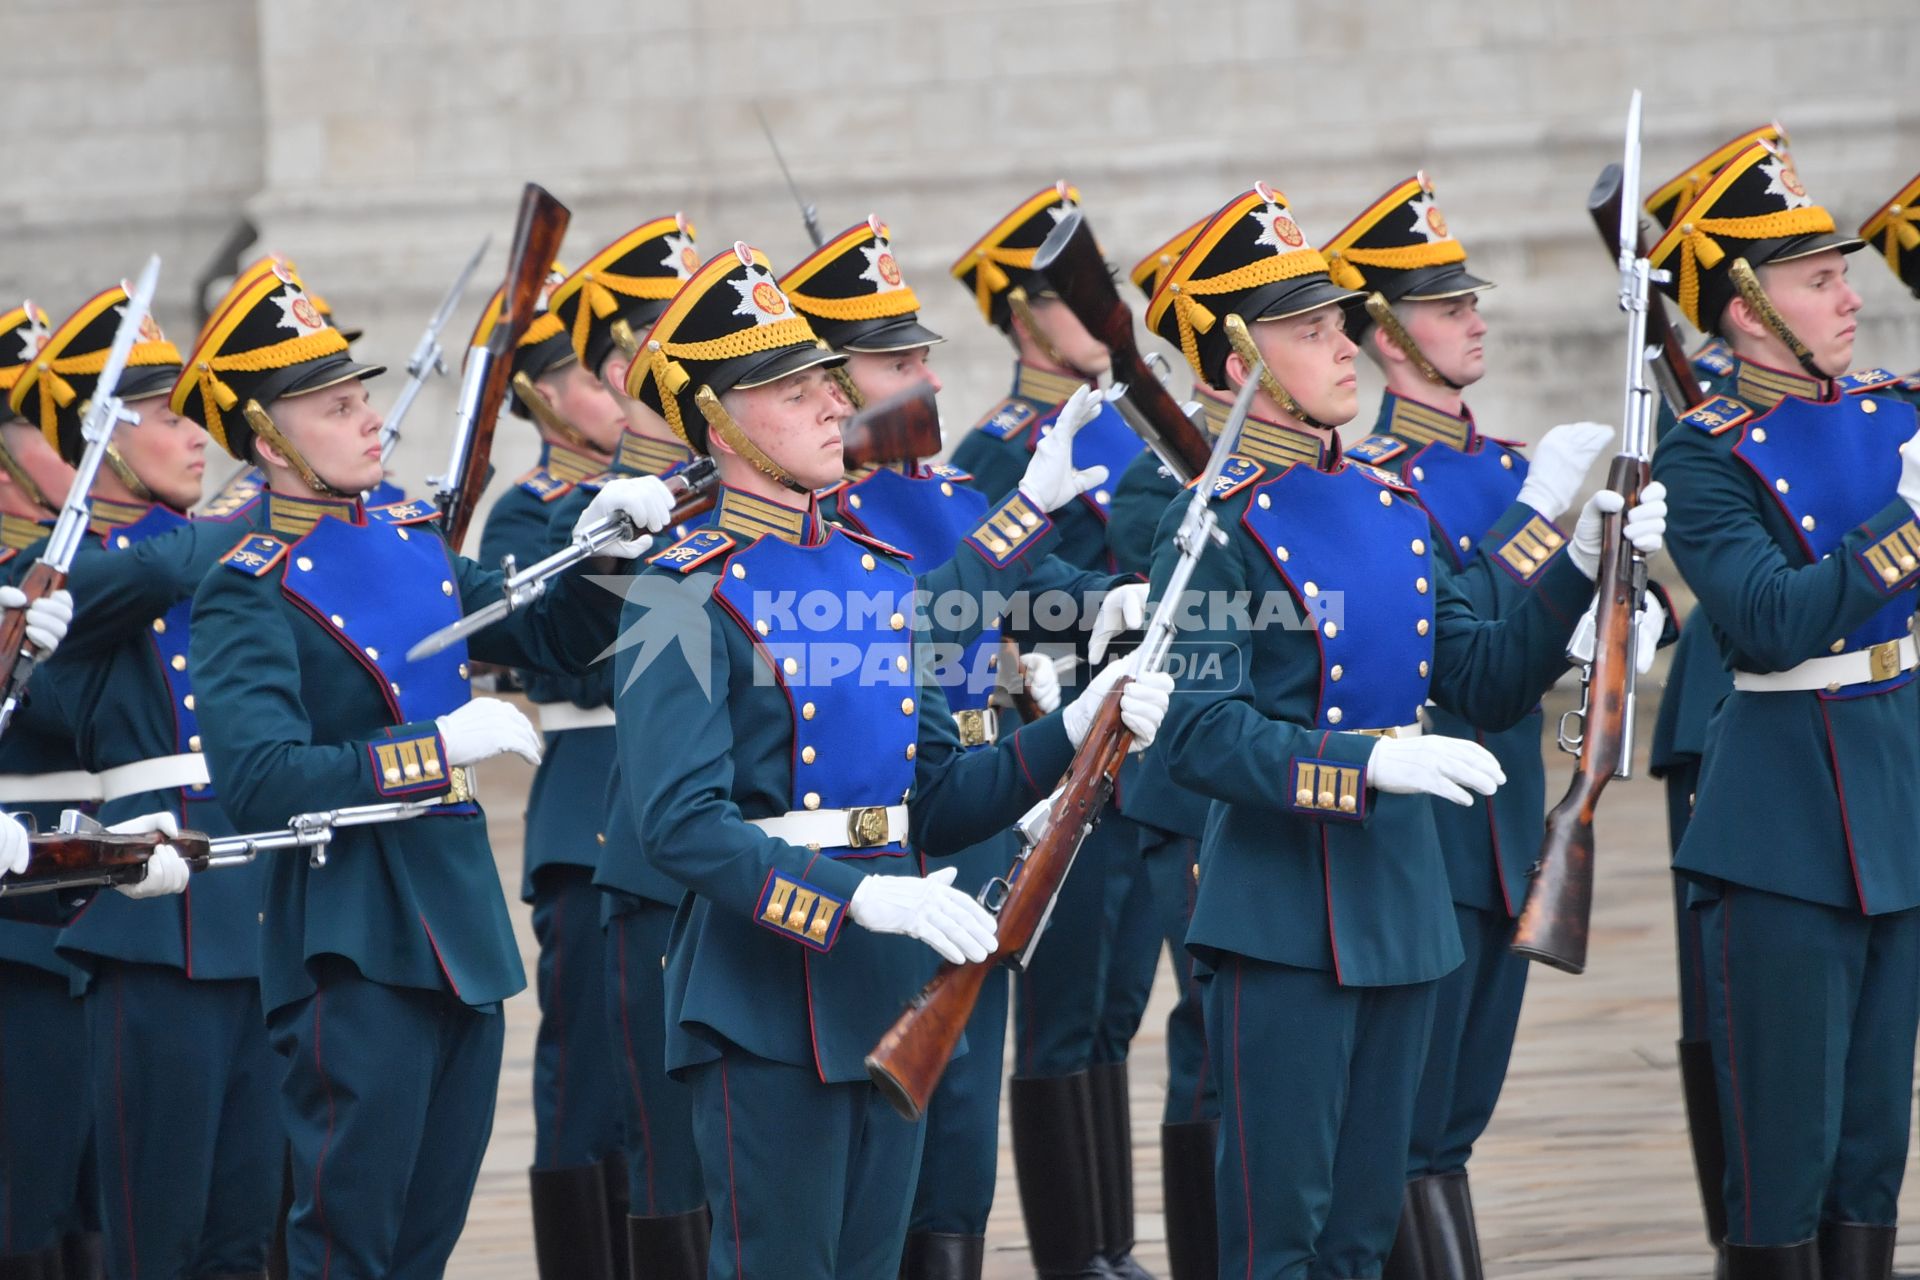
x=633, y=1065
x=1733, y=1067
x=733, y=1186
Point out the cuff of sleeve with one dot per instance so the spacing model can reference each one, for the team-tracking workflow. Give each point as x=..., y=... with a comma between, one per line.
x=1044, y=752
x=1890, y=555
x=801, y=910
x=1013, y=529
x=1332, y=786
x=410, y=762
x=1565, y=591
x=1524, y=543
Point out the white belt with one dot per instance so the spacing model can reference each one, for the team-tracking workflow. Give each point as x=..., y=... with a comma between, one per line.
x=1836, y=671
x=558, y=717
x=1413, y=730
x=838, y=828
x=35, y=788
x=162, y=773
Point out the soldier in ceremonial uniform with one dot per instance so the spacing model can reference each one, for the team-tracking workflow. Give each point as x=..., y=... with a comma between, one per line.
x=615, y=294
x=190, y=1186
x=786, y=748
x=1794, y=522
x=1420, y=323
x=1894, y=231
x=1697, y=680
x=1068, y=1102
x=382, y=972
x=579, y=1176
x=854, y=295
x=1170, y=818
x=1324, y=911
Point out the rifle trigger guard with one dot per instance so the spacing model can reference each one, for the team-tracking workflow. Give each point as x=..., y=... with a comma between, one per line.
x=1570, y=740
x=993, y=894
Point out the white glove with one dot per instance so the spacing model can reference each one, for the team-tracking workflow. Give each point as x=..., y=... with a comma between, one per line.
x=1143, y=703
x=166, y=870
x=1649, y=622
x=1560, y=463
x=1123, y=610
x=1646, y=526
x=1435, y=766
x=1910, y=473
x=1042, y=681
x=14, y=849
x=47, y=617
x=644, y=500
x=1051, y=481
x=929, y=909
x=487, y=727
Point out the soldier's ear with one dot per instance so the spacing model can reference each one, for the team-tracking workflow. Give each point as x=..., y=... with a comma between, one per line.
x=1236, y=371
x=1739, y=321
x=613, y=371
x=1381, y=346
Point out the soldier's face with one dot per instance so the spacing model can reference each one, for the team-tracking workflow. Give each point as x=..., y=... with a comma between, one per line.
x=1080, y=349
x=1451, y=334
x=1312, y=357
x=37, y=458
x=1812, y=295
x=337, y=431
x=584, y=400
x=879, y=375
x=796, y=422
x=168, y=452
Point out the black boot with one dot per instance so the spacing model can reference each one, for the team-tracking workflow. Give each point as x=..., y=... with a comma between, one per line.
x=613, y=1169
x=571, y=1238
x=1055, y=1162
x=1186, y=1190
x=669, y=1247
x=1405, y=1261
x=1856, y=1251
x=30, y=1266
x=1113, y=1164
x=1700, y=1091
x=1442, y=1207
x=935, y=1255
x=1773, y=1262
x=83, y=1256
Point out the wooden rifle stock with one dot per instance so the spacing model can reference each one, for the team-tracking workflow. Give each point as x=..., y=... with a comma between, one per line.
x=1556, y=921
x=901, y=428
x=17, y=658
x=57, y=859
x=536, y=241
x=907, y=1064
x=1071, y=261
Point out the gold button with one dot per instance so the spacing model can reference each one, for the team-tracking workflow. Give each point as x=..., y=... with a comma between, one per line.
x=946, y=489
x=600, y=837
x=760, y=625
x=912, y=751
x=853, y=500
x=160, y=626
x=906, y=706
x=1834, y=687
x=1423, y=666
x=187, y=702
x=1421, y=626
x=304, y=565
x=1303, y=797
x=1312, y=589
x=806, y=755
x=900, y=663
x=392, y=775
x=396, y=688
x=1781, y=484
x=1325, y=799
x=1420, y=585
x=1868, y=406
x=463, y=671
x=1506, y=460
x=1333, y=715
x=1419, y=473
x=1281, y=552
x=1419, y=546
x=1464, y=543
x=1102, y=497
x=1265, y=501
x=178, y=662
x=1908, y=563
x=193, y=743
x=806, y=710
x=404, y=535
x=1806, y=522
x=373, y=653
x=1346, y=804
x=812, y=800
x=1758, y=435
x=1838, y=646
x=790, y=665
x=337, y=621
x=866, y=562
x=122, y=542
x=739, y=571
x=446, y=588
x=1331, y=630
x=897, y=621
x=1386, y=499
x=1889, y=574
x=1336, y=671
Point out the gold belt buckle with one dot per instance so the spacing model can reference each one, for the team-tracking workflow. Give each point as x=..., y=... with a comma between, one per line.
x=1392, y=732
x=976, y=727
x=464, y=786
x=1883, y=660
x=866, y=827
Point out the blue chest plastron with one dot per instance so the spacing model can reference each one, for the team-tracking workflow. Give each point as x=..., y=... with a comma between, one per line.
x=928, y=515
x=1107, y=441
x=1464, y=491
x=378, y=588
x=168, y=635
x=1829, y=467
x=1350, y=561
x=825, y=624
